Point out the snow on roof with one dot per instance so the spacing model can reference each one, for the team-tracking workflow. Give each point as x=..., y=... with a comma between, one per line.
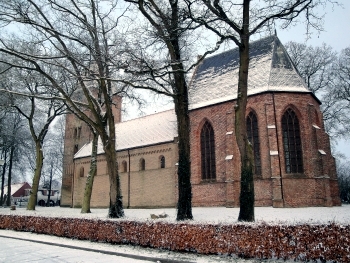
x=270, y=69
x=14, y=188
x=148, y=130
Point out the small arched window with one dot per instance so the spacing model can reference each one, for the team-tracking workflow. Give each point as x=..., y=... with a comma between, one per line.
x=208, y=160
x=292, y=142
x=162, y=161
x=81, y=172
x=124, y=167
x=142, y=164
x=253, y=137
x=77, y=132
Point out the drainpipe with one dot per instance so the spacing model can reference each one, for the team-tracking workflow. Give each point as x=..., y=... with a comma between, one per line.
x=129, y=179
x=73, y=174
x=278, y=146
x=267, y=132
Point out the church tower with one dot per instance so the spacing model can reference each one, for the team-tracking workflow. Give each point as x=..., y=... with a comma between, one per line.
x=77, y=134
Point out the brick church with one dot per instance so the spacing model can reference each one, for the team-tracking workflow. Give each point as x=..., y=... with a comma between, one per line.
x=294, y=166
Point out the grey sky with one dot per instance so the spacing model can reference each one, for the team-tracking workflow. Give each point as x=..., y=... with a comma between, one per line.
x=336, y=29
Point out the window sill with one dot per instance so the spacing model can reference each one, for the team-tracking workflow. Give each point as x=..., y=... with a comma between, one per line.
x=208, y=181
x=294, y=175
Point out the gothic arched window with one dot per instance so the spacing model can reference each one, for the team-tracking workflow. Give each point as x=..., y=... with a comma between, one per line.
x=208, y=164
x=292, y=142
x=142, y=164
x=253, y=137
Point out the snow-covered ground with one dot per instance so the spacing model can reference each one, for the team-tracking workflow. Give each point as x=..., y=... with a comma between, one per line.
x=309, y=215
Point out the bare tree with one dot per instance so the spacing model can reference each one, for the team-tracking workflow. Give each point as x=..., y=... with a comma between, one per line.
x=238, y=21
x=343, y=74
x=13, y=140
x=38, y=113
x=327, y=75
x=313, y=63
x=53, y=152
x=81, y=41
x=85, y=208
x=343, y=171
x=168, y=36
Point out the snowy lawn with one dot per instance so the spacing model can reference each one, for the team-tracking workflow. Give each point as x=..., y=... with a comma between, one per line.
x=307, y=215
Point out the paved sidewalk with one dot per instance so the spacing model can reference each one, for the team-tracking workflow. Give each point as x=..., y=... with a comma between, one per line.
x=28, y=247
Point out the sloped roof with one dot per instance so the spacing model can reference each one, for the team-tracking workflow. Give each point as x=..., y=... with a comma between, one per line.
x=144, y=131
x=270, y=69
x=14, y=188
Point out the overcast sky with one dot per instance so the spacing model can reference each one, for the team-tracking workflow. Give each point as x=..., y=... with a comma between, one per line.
x=336, y=29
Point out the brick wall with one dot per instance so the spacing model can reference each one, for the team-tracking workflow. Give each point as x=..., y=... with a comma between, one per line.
x=275, y=187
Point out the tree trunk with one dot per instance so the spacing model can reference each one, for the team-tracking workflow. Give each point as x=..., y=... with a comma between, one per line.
x=109, y=144
x=116, y=203
x=3, y=180
x=9, y=178
x=39, y=165
x=91, y=176
x=50, y=185
x=184, y=205
x=246, y=212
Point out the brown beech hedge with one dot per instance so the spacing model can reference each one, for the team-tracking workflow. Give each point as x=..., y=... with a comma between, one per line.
x=329, y=242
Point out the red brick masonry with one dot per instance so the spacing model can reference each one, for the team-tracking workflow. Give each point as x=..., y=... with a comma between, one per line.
x=329, y=242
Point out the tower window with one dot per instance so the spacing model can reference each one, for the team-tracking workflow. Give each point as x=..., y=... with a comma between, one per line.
x=77, y=132
x=76, y=148
x=253, y=137
x=208, y=160
x=292, y=142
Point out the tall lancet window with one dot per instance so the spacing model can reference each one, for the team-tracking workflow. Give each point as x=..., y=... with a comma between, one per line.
x=253, y=137
x=292, y=142
x=208, y=152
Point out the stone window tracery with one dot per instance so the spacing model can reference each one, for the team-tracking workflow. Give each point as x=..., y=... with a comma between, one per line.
x=208, y=161
x=253, y=137
x=292, y=143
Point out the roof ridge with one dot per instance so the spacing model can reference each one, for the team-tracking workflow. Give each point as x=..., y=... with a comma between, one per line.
x=145, y=116
x=250, y=43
